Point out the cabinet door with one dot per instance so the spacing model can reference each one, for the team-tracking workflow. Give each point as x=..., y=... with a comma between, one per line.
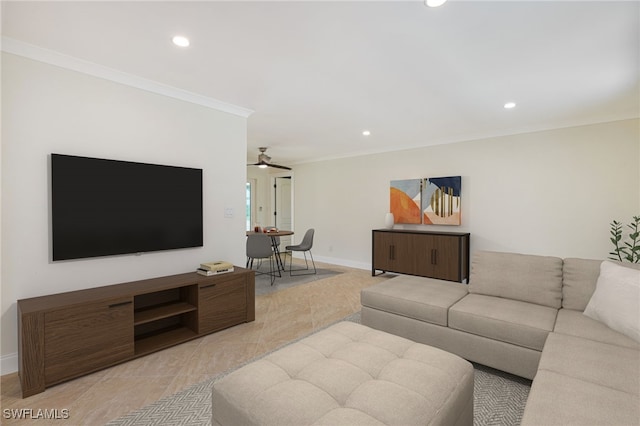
x=222, y=304
x=393, y=252
x=403, y=253
x=424, y=246
x=382, y=246
x=436, y=256
x=87, y=337
x=446, y=258
x=439, y=256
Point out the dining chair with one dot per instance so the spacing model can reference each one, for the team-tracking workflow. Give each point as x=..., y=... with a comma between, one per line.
x=259, y=247
x=305, y=246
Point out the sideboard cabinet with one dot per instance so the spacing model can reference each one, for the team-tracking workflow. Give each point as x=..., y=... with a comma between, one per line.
x=67, y=335
x=441, y=255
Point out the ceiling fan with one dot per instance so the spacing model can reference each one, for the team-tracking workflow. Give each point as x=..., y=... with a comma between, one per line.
x=265, y=161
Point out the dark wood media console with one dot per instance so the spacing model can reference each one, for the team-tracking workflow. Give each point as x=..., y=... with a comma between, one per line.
x=67, y=335
x=441, y=255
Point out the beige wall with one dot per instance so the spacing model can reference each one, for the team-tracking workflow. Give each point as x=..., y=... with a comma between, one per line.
x=550, y=193
x=47, y=109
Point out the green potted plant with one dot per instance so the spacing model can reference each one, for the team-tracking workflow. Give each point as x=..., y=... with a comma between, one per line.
x=627, y=250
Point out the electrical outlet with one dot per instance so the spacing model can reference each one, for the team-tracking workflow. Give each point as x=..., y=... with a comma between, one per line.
x=228, y=212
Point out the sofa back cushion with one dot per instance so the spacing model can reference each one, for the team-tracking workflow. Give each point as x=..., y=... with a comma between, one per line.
x=579, y=279
x=524, y=277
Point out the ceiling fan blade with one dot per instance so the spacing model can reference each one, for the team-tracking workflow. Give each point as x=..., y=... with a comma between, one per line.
x=279, y=167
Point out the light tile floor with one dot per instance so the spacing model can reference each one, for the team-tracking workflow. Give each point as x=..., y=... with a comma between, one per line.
x=281, y=317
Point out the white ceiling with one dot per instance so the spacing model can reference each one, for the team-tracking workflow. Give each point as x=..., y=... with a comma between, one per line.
x=316, y=74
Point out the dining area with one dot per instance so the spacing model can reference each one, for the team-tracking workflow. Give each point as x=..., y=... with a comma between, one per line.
x=266, y=256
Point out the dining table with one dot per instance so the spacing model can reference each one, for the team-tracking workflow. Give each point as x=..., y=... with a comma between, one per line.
x=273, y=233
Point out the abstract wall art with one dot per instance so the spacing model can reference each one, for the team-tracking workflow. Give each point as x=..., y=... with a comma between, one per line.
x=405, y=201
x=441, y=200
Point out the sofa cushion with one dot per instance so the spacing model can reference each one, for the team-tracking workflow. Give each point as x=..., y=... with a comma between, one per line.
x=575, y=323
x=420, y=298
x=511, y=321
x=528, y=278
x=579, y=278
x=559, y=400
x=613, y=366
x=584, y=382
x=616, y=301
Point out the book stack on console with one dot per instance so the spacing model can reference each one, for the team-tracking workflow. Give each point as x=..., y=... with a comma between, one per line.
x=215, y=268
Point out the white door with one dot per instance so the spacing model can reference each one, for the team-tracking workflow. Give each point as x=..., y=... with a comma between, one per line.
x=282, y=215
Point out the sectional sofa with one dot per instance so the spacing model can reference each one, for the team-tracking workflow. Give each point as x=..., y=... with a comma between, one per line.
x=571, y=325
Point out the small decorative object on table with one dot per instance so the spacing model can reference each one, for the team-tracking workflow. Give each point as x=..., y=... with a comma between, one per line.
x=215, y=268
x=388, y=220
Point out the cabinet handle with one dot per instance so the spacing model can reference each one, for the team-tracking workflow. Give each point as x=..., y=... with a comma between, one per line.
x=392, y=252
x=434, y=256
x=116, y=305
x=208, y=286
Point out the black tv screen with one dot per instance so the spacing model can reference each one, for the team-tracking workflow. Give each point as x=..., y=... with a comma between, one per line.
x=105, y=207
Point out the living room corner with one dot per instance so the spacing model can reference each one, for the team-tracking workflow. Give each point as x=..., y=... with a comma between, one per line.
x=533, y=109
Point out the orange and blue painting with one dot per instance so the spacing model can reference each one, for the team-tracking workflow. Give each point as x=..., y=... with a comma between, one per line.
x=405, y=200
x=441, y=201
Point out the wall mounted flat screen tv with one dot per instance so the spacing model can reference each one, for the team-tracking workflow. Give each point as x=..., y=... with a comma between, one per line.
x=103, y=207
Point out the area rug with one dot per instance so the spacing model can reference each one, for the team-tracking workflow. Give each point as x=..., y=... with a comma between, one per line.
x=499, y=399
x=263, y=281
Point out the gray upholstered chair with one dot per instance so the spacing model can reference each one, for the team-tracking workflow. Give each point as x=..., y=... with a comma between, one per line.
x=259, y=247
x=305, y=246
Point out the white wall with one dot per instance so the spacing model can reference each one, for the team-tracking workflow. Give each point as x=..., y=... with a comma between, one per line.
x=550, y=193
x=47, y=109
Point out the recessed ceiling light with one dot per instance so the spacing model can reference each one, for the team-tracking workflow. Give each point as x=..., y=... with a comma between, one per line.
x=434, y=3
x=510, y=105
x=366, y=132
x=180, y=41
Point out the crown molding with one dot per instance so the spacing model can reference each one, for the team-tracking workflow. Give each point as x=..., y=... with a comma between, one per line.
x=20, y=48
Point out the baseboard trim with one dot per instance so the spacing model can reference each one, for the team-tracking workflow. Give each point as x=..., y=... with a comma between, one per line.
x=343, y=262
x=8, y=363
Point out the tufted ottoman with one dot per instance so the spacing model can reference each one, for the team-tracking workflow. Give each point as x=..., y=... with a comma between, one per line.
x=348, y=374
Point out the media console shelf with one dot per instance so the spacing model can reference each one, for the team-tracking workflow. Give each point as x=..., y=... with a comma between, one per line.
x=67, y=335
